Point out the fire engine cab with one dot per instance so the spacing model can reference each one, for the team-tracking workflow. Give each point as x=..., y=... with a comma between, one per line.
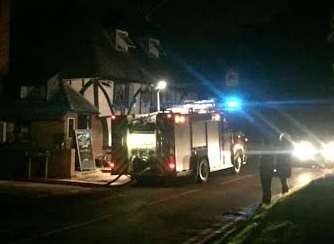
x=189, y=140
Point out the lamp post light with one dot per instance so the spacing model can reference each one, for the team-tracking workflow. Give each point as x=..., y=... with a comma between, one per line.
x=161, y=85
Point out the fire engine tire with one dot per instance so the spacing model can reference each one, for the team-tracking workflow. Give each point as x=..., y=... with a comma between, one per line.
x=237, y=162
x=203, y=170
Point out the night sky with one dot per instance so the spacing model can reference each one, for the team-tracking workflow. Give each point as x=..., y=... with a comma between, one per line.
x=278, y=48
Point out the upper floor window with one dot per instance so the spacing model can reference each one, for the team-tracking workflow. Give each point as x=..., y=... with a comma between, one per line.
x=32, y=93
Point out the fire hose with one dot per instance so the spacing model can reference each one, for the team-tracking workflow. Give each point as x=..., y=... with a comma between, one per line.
x=124, y=170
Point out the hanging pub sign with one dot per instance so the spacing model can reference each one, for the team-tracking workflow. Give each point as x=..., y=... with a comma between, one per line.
x=85, y=149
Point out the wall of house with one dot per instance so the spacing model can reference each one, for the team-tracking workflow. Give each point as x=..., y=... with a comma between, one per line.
x=104, y=108
x=101, y=101
x=48, y=133
x=55, y=136
x=78, y=83
x=143, y=101
x=97, y=132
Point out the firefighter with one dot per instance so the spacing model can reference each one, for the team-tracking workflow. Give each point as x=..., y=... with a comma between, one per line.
x=266, y=170
x=283, y=161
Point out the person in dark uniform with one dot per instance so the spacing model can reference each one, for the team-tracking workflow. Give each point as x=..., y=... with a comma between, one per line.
x=266, y=170
x=284, y=161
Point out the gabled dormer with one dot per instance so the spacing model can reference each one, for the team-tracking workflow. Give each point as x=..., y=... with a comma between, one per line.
x=154, y=48
x=122, y=41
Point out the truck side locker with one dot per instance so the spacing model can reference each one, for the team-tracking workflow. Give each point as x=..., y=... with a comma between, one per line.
x=182, y=145
x=213, y=145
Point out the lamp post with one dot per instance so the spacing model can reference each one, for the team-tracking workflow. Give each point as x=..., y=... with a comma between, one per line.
x=160, y=86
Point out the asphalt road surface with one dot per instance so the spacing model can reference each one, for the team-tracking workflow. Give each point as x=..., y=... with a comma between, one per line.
x=179, y=213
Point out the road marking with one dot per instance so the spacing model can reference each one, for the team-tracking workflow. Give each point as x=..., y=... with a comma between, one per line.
x=173, y=197
x=238, y=179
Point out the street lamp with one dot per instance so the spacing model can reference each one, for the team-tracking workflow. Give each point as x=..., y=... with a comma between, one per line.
x=160, y=86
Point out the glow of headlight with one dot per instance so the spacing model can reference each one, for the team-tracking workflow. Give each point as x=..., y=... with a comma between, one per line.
x=328, y=151
x=304, y=150
x=304, y=179
x=141, y=140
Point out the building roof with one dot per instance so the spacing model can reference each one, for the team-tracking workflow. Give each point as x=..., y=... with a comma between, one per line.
x=64, y=101
x=104, y=61
x=71, y=101
x=77, y=45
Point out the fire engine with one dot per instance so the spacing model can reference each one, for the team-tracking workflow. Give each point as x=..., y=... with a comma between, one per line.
x=189, y=140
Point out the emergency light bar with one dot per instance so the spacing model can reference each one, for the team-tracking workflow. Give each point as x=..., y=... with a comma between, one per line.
x=202, y=106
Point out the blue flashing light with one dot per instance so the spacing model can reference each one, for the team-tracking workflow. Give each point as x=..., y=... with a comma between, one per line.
x=233, y=104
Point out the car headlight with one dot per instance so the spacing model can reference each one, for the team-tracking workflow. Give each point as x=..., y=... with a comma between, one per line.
x=304, y=150
x=328, y=151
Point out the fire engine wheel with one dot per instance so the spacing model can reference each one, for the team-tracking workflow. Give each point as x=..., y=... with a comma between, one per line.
x=237, y=162
x=203, y=171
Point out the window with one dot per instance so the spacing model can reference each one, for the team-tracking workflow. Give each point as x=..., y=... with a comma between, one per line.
x=22, y=132
x=71, y=127
x=3, y=132
x=84, y=122
x=32, y=93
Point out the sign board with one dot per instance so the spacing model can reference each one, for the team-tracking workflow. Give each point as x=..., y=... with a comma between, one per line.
x=84, y=143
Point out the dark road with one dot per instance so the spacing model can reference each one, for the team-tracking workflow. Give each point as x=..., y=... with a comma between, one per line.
x=179, y=213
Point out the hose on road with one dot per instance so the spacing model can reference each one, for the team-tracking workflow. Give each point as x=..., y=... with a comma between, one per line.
x=124, y=170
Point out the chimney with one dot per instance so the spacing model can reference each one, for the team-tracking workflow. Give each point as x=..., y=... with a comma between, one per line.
x=4, y=36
